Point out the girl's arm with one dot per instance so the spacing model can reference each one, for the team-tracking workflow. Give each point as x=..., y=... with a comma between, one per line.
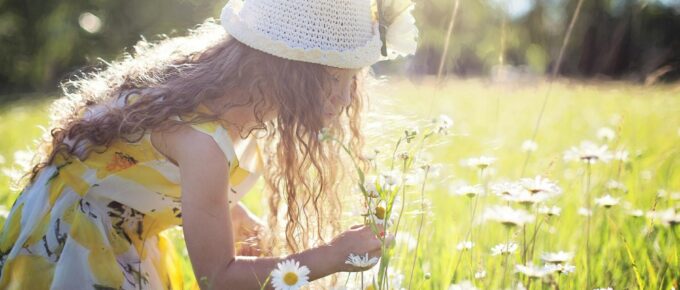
x=208, y=228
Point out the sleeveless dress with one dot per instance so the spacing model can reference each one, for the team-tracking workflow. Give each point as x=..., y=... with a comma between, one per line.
x=98, y=223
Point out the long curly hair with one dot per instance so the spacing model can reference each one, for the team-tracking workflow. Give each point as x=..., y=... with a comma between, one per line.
x=175, y=75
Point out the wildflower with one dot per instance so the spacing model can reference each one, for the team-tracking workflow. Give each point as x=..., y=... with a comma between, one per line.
x=531, y=271
x=372, y=155
x=427, y=276
x=607, y=201
x=289, y=275
x=564, y=269
x=481, y=162
x=508, y=216
x=526, y=198
x=504, y=249
x=636, y=213
x=557, y=258
x=614, y=185
x=390, y=179
x=505, y=188
x=370, y=185
x=540, y=184
x=465, y=245
x=361, y=261
x=442, y=124
x=529, y=146
x=585, y=211
x=608, y=288
x=480, y=274
x=606, y=134
x=463, y=285
x=469, y=190
x=588, y=152
x=378, y=214
x=550, y=210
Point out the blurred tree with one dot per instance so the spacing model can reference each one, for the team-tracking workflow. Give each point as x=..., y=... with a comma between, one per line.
x=42, y=42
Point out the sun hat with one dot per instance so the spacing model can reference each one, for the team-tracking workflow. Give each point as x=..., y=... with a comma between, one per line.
x=337, y=33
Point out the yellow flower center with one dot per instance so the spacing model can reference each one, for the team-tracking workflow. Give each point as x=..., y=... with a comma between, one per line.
x=290, y=278
x=370, y=287
x=380, y=212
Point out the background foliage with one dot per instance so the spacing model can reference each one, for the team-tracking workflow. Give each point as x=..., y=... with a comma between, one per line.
x=43, y=42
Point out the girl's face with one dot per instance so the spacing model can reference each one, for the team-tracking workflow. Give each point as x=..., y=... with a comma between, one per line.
x=339, y=93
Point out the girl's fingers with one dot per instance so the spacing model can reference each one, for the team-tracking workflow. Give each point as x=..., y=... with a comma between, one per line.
x=354, y=227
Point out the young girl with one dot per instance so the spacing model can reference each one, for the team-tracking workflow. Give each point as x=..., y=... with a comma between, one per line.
x=170, y=137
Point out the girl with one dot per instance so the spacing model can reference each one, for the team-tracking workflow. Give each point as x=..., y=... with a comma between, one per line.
x=170, y=137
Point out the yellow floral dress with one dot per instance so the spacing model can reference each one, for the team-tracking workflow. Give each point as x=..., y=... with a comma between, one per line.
x=98, y=223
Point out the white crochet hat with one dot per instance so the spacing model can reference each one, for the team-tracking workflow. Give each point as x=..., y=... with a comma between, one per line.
x=337, y=33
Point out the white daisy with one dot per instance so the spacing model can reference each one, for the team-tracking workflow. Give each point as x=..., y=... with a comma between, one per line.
x=505, y=188
x=361, y=261
x=480, y=274
x=527, y=198
x=607, y=201
x=540, y=184
x=550, y=210
x=465, y=245
x=463, y=285
x=606, y=134
x=508, y=216
x=531, y=271
x=614, y=185
x=585, y=211
x=442, y=124
x=557, y=257
x=504, y=249
x=481, y=162
x=469, y=190
x=529, y=146
x=608, y=288
x=289, y=275
x=564, y=269
x=588, y=152
x=371, y=187
x=378, y=214
x=389, y=179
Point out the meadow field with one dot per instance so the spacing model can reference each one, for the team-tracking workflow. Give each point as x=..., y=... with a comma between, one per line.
x=625, y=142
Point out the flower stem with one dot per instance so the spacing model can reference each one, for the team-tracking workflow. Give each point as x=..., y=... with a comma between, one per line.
x=420, y=226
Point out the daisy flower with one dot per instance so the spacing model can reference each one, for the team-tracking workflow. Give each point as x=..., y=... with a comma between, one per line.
x=289, y=275
x=465, y=245
x=361, y=261
x=588, y=152
x=442, y=124
x=585, y=211
x=527, y=198
x=481, y=162
x=505, y=188
x=614, y=185
x=606, y=134
x=621, y=155
x=378, y=214
x=550, y=210
x=607, y=201
x=480, y=274
x=540, y=184
x=564, y=269
x=370, y=184
x=508, y=216
x=531, y=271
x=557, y=258
x=504, y=249
x=463, y=285
x=469, y=190
x=529, y=146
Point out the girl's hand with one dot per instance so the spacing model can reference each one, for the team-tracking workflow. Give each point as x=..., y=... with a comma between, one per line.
x=358, y=240
x=248, y=232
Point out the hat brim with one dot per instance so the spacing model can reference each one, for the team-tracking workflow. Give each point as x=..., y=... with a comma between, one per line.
x=356, y=58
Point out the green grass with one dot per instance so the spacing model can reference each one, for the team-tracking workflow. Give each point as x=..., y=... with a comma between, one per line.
x=491, y=119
